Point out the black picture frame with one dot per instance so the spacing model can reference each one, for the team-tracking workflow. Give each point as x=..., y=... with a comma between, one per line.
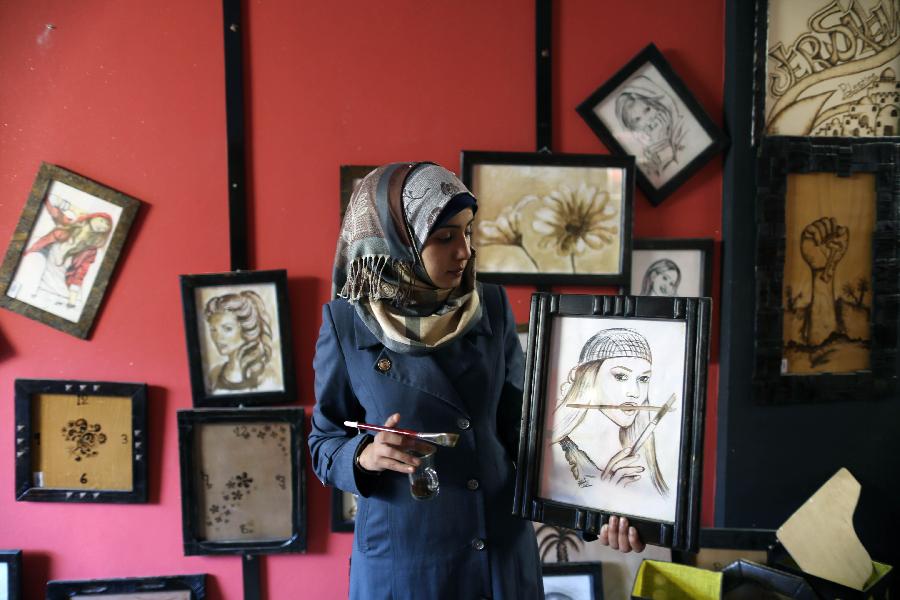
x=779, y=158
x=594, y=570
x=728, y=538
x=26, y=436
x=351, y=175
x=471, y=159
x=12, y=559
x=651, y=56
x=339, y=524
x=65, y=589
x=702, y=245
x=683, y=532
x=188, y=422
x=191, y=285
x=103, y=196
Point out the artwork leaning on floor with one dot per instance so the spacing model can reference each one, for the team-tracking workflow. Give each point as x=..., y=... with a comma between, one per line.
x=612, y=427
x=551, y=218
x=176, y=587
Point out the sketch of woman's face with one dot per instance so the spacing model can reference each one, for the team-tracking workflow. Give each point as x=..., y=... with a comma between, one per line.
x=664, y=283
x=99, y=224
x=624, y=381
x=646, y=118
x=225, y=332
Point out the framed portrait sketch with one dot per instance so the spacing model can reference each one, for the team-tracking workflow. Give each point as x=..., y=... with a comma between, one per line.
x=64, y=249
x=243, y=484
x=10, y=575
x=827, y=270
x=647, y=111
x=343, y=510
x=614, y=393
x=238, y=331
x=175, y=587
x=826, y=69
x=551, y=219
x=573, y=581
x=81, y=441
x=351, y=177
x=672, y=267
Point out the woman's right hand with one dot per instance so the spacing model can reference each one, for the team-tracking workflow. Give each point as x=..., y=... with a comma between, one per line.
x=390, y=451
x=622, y=469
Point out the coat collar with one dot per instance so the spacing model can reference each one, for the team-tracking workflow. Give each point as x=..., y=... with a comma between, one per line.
x=366, y=339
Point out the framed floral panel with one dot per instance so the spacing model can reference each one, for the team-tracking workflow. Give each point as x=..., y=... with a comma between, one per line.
x=238, y=331
x=827, y=270
x=343, y=510
x=243, y=484
x=573, y=581
x=174, y=587
x=64, y=249
x=81, y=441
x=551, y=219
x=351, y=177
x=672, y=267
x=10, y=575
x=826, y=69
x=615, y=388
x=645, y=110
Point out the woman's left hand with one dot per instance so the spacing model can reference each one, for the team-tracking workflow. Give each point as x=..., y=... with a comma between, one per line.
x=618, y=535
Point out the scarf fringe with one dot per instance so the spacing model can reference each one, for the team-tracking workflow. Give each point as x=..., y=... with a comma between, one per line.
x=365, y=280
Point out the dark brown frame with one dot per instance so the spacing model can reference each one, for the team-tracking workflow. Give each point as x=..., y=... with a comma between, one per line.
x=65, y=589
x=593, y=569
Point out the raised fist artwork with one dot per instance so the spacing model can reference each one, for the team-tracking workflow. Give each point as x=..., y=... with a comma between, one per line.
x=823, y=244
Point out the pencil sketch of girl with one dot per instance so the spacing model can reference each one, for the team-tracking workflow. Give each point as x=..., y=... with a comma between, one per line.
x=644, y=108
x=240, y=329
x=661, y=279
x=613, y=374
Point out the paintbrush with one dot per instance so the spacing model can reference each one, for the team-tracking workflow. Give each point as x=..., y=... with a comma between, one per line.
x=626, y=408
x=648, y=430
x=441, y=439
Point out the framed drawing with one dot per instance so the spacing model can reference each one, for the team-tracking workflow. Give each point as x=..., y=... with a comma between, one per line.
x=608, y=430
x=243, y=484
x=551, y=219
x=672, y=267
x=573, y=581
x=176, y=587
x=351, y=176
x=647, y=111
x=64, y=249
x=238, y=331
x=719, y=547
x=826, y=68
x=827, y=270
x=10, y=575
x=343, y=510
x=81, y=441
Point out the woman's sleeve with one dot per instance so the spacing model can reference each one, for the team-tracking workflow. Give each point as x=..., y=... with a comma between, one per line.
x=509, y=412
x=332, y=448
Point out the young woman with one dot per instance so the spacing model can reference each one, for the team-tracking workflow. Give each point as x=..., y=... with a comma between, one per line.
x=662, y=278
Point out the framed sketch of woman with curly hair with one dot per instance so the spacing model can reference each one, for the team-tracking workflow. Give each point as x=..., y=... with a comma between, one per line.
x=238, y=334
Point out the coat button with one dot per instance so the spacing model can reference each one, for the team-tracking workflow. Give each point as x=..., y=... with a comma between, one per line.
x=472, y=484
x=463, y=423
x=478, y=544
x=383, y=365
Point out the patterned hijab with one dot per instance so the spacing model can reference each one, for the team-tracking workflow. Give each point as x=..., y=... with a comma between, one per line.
x=378, y=264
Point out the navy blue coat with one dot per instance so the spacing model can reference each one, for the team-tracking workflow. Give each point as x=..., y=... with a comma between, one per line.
x=464, y=543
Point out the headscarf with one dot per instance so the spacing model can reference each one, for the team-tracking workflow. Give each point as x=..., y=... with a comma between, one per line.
x=378, y=265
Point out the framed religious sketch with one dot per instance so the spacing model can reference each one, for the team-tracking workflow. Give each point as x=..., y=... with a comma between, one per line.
x=64, y=249
x=615, y=388
x=243, y=484
x=343, y=510
x=826, y=69
x=551, y=219
x=351, y=177
x=645, y=110
x=81, y=441
x=176, y=587
x=10, y=575
x=672, y=267
x=827, y=270
x=573, y=581
x=238, y=331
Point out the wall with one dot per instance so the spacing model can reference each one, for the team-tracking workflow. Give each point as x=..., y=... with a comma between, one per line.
x=132, y=94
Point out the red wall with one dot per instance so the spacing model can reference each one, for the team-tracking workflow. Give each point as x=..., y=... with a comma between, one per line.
x=132, y=94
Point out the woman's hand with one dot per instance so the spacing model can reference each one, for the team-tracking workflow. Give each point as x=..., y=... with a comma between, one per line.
x=619, y=536
x=622, y=469
x=390, y=451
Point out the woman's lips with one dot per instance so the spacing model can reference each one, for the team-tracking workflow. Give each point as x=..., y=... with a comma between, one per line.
x=627, y=407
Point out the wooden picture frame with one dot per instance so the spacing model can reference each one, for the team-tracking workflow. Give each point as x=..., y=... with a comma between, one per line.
x=551, y=219
x=672, y=266
x=839, y=199
x=171, y=587
x=343, y=511
x=351, y=176
x=11, y=574
x=647, y=111
x=582, y=580
x=81, y=441
x=238, y=325
x=243, y=480
x=64, y=249
x=580, y=344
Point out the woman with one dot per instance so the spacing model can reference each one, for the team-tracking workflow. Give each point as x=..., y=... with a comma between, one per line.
x=413, y=339
x=662, y=278
x=240, y=330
